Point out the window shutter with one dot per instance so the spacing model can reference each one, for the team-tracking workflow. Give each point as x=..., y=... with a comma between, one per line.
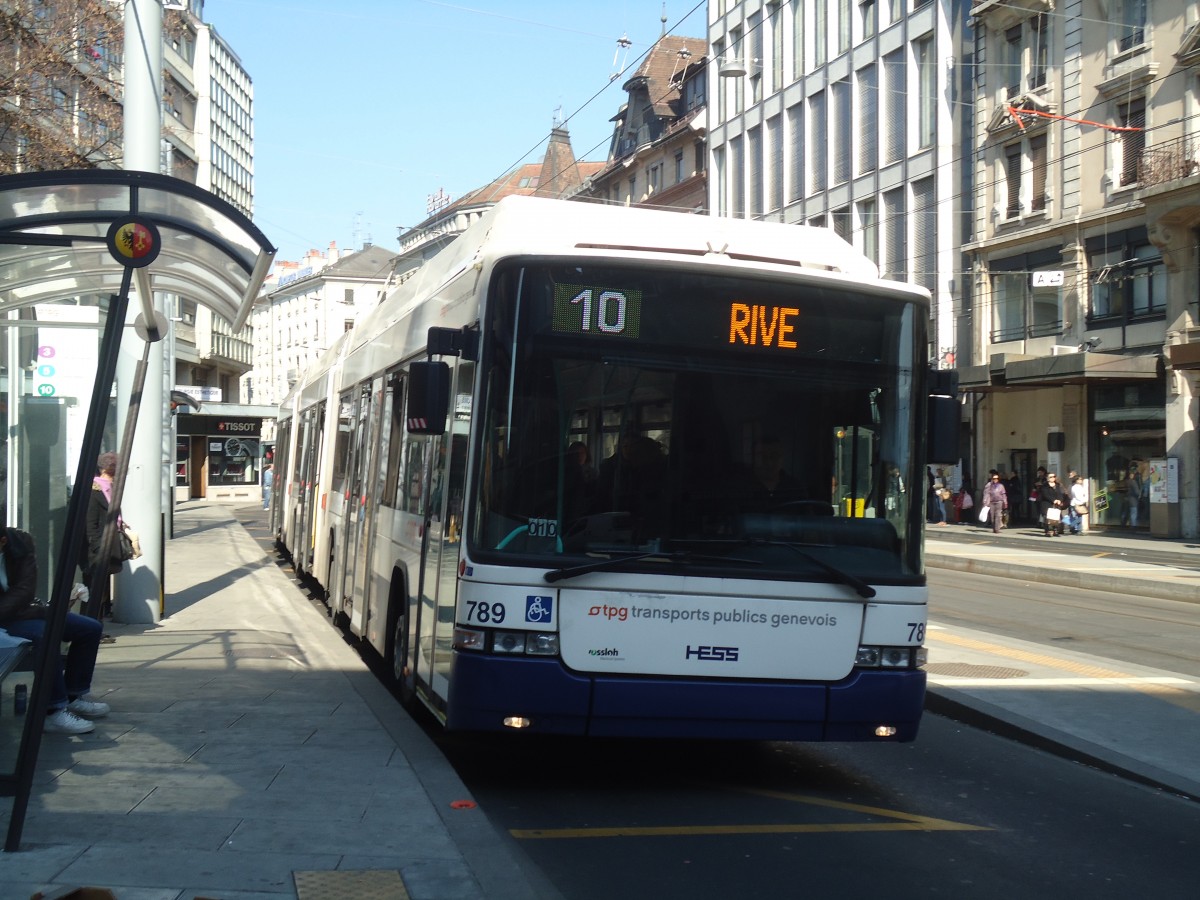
x=796, y=151
x=1037, y=158
x=868, y=118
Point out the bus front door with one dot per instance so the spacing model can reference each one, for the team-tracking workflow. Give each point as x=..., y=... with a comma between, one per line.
x=443, y=523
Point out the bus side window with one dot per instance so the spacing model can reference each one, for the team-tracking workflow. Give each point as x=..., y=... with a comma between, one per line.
x=413, y=482
x=392, y=420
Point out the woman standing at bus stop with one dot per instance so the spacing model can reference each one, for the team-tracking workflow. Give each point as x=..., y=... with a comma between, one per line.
x=98, y=572
x=1052, y=501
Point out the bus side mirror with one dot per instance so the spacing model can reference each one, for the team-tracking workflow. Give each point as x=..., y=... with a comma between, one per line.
x=428, y=397
x=943, y=418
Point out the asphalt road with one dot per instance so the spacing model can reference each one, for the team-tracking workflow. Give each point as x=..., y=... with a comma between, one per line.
x=958, y=813
x=1145, y=631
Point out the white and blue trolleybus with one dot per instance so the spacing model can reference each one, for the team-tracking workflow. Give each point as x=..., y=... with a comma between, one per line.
x=622, y=472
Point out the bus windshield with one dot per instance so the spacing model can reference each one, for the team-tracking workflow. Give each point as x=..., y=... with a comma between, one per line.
x=752, y=428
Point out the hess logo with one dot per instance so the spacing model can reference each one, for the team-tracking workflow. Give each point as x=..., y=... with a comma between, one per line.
x=713, y=654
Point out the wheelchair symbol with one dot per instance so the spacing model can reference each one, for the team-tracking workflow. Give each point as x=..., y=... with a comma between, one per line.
x=539, y=609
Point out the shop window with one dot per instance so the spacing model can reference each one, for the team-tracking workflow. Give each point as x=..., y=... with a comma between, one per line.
x=182, y=462
x=233, y=460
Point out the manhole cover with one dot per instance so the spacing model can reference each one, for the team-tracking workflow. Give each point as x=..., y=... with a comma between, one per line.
x=376, y=884
x=967, y=670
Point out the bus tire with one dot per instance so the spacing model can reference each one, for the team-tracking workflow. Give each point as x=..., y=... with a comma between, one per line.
x=398, y=641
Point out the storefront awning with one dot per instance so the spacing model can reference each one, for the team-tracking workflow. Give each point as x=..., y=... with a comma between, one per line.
x=55, y=239
x=1028, y=373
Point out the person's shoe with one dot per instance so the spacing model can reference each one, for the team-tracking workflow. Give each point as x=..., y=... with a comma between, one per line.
x=88, y=706
x=63, y=721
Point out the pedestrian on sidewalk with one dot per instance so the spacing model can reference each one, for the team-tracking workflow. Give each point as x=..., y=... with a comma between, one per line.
x=22, y=615
x=995, y=502
x=964, y=503
x=1079, y=506
x=1052, y=501
x=937, y=497
x=268, y=479
x=95, y=569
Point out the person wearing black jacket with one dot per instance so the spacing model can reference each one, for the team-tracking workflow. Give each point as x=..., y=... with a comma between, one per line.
x=1051, y=495
x=21, y=615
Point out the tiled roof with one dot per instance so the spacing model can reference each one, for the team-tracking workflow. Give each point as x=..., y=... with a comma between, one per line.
x=662, y=70
x=557, y=175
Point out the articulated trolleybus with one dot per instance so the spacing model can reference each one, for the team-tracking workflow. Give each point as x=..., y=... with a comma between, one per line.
x=607, y=471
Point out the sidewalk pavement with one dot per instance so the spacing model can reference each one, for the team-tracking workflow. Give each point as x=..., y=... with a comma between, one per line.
x=251, y=755
x=1138, y=722
x=1102, y=560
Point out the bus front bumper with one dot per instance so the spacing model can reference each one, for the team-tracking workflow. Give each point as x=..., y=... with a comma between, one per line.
x=488, y=690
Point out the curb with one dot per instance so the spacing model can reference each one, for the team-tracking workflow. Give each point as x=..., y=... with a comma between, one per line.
x=1116, y=584
x=952, y=704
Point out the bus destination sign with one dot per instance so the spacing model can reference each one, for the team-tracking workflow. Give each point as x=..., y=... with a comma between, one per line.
x=603, y=311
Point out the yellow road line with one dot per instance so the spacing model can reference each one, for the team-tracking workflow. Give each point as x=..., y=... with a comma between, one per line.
x=710, y=830
x=901, y=821
x=1027, y=656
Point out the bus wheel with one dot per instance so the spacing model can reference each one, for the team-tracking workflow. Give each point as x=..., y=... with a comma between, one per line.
x=400, y=674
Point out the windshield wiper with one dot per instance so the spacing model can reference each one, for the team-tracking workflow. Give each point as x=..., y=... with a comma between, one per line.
x=675, y=556
x=861, y=587
x=864, y=590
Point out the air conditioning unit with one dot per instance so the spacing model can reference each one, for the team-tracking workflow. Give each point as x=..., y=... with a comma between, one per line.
x=1060, y=349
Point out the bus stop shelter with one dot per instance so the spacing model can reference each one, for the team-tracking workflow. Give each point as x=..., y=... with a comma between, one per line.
x=84, y=239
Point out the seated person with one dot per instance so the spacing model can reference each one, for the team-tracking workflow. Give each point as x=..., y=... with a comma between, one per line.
x=71, y=704
x=634, y=480
x=772, y=485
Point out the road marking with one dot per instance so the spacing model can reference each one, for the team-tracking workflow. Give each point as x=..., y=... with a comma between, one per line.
x=1162, y=687
x=1027, y=656
x=1018, y=683
x=901, y=822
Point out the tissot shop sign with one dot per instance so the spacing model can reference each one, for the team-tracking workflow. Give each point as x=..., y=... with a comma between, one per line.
x=221, y=426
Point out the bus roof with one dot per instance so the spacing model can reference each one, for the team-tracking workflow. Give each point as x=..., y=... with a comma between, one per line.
x=528, y=226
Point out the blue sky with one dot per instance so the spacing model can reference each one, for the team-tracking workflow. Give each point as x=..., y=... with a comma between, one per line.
x=364, y=108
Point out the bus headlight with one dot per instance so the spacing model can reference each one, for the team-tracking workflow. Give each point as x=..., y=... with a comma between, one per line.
x=531, y=643
x=541, y=643
x=871, y=657
x=509, y=642
x=895, y=657
x=867, y=657
x=469, y=639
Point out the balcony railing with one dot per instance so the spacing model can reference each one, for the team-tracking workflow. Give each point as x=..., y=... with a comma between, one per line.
x=1169, y=161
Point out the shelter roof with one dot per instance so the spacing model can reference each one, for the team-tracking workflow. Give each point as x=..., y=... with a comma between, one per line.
x=55, y=235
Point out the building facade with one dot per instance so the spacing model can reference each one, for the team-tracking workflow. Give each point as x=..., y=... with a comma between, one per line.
x=1083, y=270
x=559, y=174
x=304, y=308
x=850, y=116
x=658, y=154
x=208, y=140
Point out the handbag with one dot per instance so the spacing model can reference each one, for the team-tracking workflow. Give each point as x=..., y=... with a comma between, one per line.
x=1081, y=508
x=1053, y=514
x=983, y=513
x=131, y=546
x=967, y=502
